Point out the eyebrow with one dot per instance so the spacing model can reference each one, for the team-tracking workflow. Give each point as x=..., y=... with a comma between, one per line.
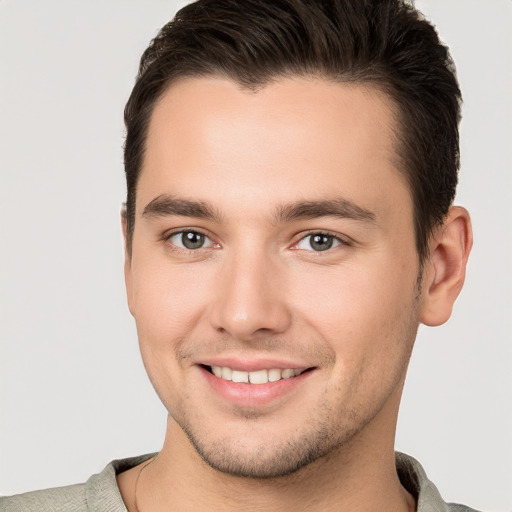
x=165, y=205
x=340, y=207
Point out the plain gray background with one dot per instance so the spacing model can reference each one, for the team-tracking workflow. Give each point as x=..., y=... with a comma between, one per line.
x=74, y=394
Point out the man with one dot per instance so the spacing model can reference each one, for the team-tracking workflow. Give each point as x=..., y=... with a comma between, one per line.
x=291, y=168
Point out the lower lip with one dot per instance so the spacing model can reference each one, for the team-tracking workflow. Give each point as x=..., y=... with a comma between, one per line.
x=253, y=395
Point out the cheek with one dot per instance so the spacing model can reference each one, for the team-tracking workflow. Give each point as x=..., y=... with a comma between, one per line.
x=360, y=310
x=166, y=302
x=369, y=320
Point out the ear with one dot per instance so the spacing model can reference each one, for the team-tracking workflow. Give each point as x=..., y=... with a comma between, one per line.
x=445, y=269
x=127, y=257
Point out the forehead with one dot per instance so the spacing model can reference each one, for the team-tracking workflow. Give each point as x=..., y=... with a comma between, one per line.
x=295, y=138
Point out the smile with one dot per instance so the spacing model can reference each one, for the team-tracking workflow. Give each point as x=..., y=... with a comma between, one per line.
x=255, y=377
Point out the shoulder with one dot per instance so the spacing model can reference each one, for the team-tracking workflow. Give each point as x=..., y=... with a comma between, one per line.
x=455, y=507
x=59, y=499
x=99, y=493
x=414, y=479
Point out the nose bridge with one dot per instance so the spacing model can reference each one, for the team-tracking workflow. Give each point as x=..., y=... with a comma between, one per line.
x=251, y=297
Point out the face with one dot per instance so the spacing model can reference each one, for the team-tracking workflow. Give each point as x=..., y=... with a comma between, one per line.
x=273, y=275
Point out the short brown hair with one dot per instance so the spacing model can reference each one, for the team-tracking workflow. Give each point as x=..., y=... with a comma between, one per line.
x=386, y=43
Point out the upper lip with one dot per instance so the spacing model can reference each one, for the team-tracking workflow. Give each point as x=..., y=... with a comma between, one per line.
x=252, y=365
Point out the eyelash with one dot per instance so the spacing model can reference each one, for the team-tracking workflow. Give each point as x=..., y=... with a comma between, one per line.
x=334, y=240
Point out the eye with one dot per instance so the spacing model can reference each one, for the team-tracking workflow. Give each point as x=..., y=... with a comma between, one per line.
x=318, y=242
x=190, y=240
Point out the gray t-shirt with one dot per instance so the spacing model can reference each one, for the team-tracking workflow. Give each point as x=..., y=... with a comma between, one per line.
x=101, y=494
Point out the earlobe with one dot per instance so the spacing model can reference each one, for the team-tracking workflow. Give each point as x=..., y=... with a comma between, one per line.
x=446, y=267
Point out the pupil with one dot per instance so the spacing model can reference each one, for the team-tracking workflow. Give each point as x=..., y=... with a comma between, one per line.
x=321, y=242
x=192, y=240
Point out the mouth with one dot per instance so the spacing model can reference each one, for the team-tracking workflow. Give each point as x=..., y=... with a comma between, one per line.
x=258, y=377
x=257, y=384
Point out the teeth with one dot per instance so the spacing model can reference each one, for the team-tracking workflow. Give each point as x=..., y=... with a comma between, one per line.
x=226, y=373
x=237, y=376
x=274, y=375
x=256, y=377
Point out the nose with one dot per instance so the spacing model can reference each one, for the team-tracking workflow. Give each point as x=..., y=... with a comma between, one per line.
x=251, y=298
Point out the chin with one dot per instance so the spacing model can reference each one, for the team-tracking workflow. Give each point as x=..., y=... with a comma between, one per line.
x=262, y=456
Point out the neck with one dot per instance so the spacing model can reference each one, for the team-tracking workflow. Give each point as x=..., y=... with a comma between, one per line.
x=360, y=476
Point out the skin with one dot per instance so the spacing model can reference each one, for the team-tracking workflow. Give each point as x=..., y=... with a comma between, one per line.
x=258, y=290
